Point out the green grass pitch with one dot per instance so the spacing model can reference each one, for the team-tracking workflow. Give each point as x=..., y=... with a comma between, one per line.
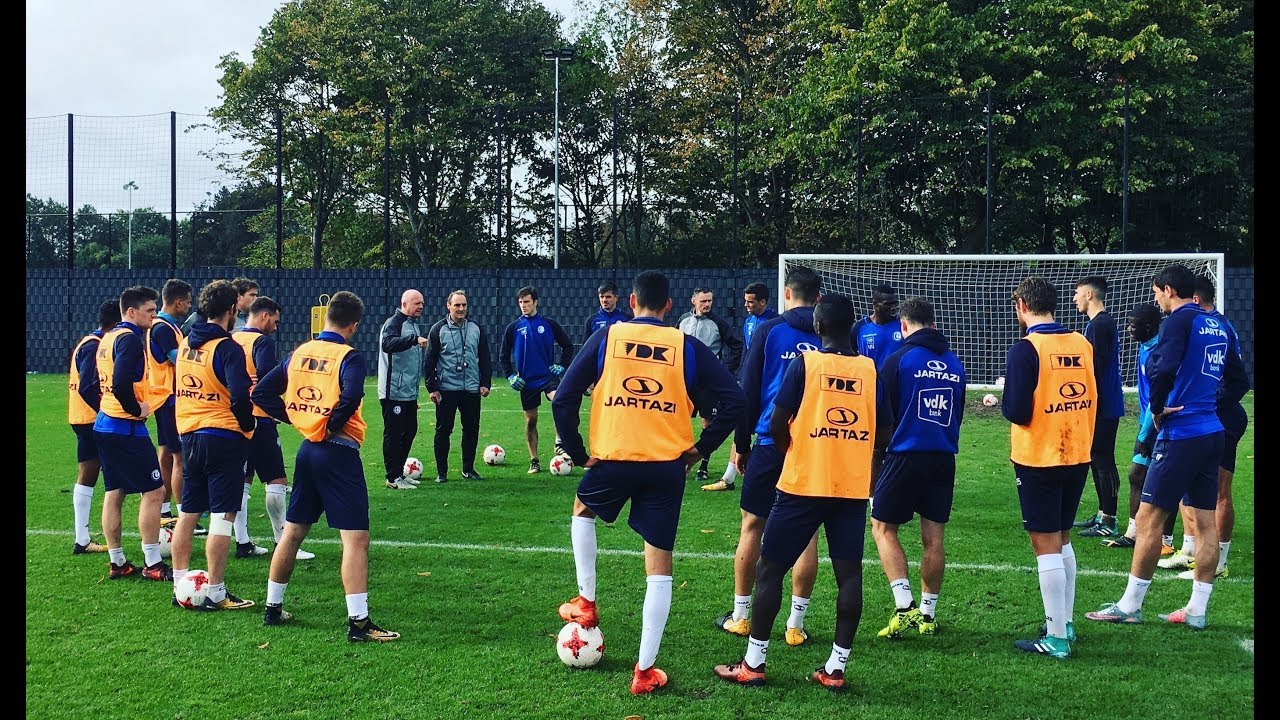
x=471, y=574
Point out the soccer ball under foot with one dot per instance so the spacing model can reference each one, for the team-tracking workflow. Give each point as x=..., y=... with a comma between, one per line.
x=413, y=468
x=580, y=647
x=561, y=465
x=192, y=589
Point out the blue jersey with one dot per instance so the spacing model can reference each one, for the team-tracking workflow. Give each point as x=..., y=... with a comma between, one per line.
x=877, y=341
x=753, y=323
x=1186, y=370
x=601, y=319
x=781, y=340
x=1146, y=426
x=528, y=349
x=925, y=383
x=1235, y=381
x=1101, y=333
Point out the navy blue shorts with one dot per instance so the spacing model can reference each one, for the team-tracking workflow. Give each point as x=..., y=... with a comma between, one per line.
x=760, y=483
x=86, y=447
x=655, y=490
x=167, y=427
x=795, y=519
x=212, y=472
x=328, y=479
x=1049, y=496
x=128, y=462
x=1234, y=421
x=264, y=454
x=914, y=482
x=531, y=398
x=1185, y=470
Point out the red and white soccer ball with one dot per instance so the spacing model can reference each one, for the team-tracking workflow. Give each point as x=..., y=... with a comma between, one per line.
x=990, y=400
x=192, y=589
x=495, y=455
x=413, y=468
x=561, y=465
x=580, y=647
x=166, y=542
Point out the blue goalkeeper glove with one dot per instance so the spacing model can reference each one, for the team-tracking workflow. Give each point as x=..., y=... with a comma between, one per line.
x=517, y=382
x=557, y=370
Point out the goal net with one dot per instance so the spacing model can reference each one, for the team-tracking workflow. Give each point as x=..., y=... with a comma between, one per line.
x=971, y=294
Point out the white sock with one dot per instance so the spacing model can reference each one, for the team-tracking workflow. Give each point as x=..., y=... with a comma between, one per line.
x=1199, y=601
x=928, y=605
x=117, y=556
x=741, y=607
x=1165, y=540
x=241, y=523
x=657, y=605
x=582, y=531
x=178, y=508
x=1223, y=547
x=276, y=504
x=164, y=507
x=902, y=597
x=1053, y=585
x=839, y=657
x=179, y=574
x=1069, y=566
x=730, y=473
x=1134, y=594
x=1131, y=532
x=275, y=592
x=357, y=605
x=798, y=607
x=217, y=592
x=151, y=553
x=1189, y=545
x=81, y=503
x=756, y=651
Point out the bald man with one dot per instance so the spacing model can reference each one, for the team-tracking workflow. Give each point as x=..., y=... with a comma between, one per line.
x=400, y=364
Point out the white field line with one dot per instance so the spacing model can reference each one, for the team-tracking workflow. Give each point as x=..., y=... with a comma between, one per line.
x=566, y=550
x=1247, y=645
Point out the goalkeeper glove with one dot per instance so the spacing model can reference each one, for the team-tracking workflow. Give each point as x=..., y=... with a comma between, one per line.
x=517, y=382
x=557, y=370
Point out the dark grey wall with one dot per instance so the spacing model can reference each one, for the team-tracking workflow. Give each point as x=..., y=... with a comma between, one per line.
x=60, y=309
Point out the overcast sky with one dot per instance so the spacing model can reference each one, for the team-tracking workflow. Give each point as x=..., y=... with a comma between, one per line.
x=134, y=58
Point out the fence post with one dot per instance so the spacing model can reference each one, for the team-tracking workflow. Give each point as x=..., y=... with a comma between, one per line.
x=1124, y=172
x=857, y=193
x=386, y=202
x=733, y=263
x=173, y=193
x=613, y=173
x=279, y=192
x=71, y=211
x=990, y=180
x=499, y=121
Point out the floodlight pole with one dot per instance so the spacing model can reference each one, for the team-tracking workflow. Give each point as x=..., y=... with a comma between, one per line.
x=130, y=186
x=555, y=55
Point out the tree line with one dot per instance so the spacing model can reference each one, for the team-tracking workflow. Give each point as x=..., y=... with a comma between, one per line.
x=715, y=132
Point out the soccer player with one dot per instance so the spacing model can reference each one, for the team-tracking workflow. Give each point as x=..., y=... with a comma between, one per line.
x=717, y=334
x=776, y=344
x=609, y=312
x=458, y=375
x=263, y=455
x=129, y=464
x=82, y=410
x=528, y=361
x=162, y=342
x=1234, y=421
x=826, y=423
x=248, y=292
x=925, y=383
x=1193, y=354
x=215, y=419
x=324, y=381
x=403, y=344
x=1050, y=400
x=1144, y=325
x=878, y=335
x=1100, y=331
x=755, y=300
x=645, y=374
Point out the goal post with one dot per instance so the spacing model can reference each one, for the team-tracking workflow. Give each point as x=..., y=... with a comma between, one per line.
x=970, y=293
